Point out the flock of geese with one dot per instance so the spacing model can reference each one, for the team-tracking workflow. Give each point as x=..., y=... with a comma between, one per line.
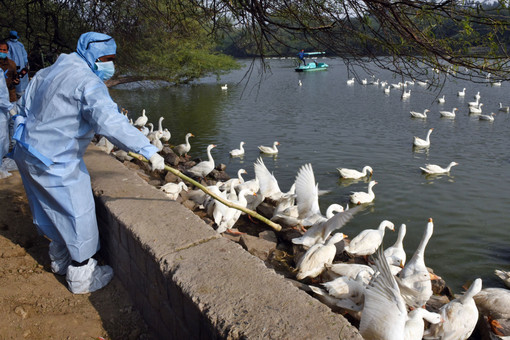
x=388, y=294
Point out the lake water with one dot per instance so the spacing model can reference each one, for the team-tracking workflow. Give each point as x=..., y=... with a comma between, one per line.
x=330, y=124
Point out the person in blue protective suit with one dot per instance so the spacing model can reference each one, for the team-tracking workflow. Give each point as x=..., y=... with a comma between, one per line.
x=62, y=107
x=5, y=107
x=18, y=54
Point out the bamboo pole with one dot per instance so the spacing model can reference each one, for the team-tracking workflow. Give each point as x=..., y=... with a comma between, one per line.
x=229, y=204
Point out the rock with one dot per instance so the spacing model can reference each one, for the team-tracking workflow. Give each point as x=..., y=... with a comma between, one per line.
x=268, y=235
x=257, y=246
x=437, y=301
x=265, y=209
x=21, y=312
x=221, y=167
x=189, y=204
x=170, y=157
x=219, y=175
x=155, y=182
x=171, y=178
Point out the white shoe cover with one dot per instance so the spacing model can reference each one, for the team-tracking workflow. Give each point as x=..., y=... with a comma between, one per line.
x=60, y=258
x=88, y=278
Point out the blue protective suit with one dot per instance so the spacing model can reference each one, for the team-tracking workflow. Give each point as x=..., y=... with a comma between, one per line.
x=62, y=107
x=5, y=106
x=18, y=53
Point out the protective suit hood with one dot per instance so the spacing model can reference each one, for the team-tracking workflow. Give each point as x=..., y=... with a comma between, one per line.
x=93, y=45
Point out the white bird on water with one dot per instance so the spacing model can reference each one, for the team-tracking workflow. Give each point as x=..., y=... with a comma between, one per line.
x=406, y=94
x=489, y=118
x=436, y=169
x=441, y=100
x=462, y=93
x=476, y=109
x=203, y=168
x=224, y=87
x=423, y=143
x=423, y=115
x=355, y=174
x=350, y=81
x=361, y=197
x=269, y=150
x=448, y=114
x=504, y=108
x=238, y=152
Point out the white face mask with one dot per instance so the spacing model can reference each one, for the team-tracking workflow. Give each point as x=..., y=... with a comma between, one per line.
x=104, y=69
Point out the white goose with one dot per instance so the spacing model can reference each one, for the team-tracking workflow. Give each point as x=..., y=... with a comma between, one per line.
x=436, y=169
x=460, y=316
x=204, y=168
x=396, y=255
x=224, y=87
x=415, y=274
x=504, y=108
x=350, y=292
x=423, y=83
x=397, y=86
x=350, y=81
x=406, y=94
x=448, y=114
x=349, y=270
x=183, y=149
x=364, y=81
x=355, y=174
x=237, y=180
x=489, y=118
x=165, y=137
x=231, y=216
x=476, y=102
x=423, y=115
x=367, y=242
x=494, y=305
x=238, y=152
x=312, y=263
x=387, y=90
x=384, y=313
x=423, y=143
x=462, y=93
x=269, y=150
x=319, y=232
x=161, y=132
x=361, y=197
x=415, y=325
x=172, y=190
x=142, y=120
x=441, y=100
x=307, y=197
x=476, y=109
x=503, y=275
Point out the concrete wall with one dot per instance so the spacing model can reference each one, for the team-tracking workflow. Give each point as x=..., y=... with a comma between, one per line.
x=189, y=282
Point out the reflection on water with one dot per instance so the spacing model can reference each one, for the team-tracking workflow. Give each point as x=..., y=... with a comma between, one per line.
x=330, y=124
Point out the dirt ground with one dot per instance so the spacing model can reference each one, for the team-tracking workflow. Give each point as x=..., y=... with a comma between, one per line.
x=35, y=303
